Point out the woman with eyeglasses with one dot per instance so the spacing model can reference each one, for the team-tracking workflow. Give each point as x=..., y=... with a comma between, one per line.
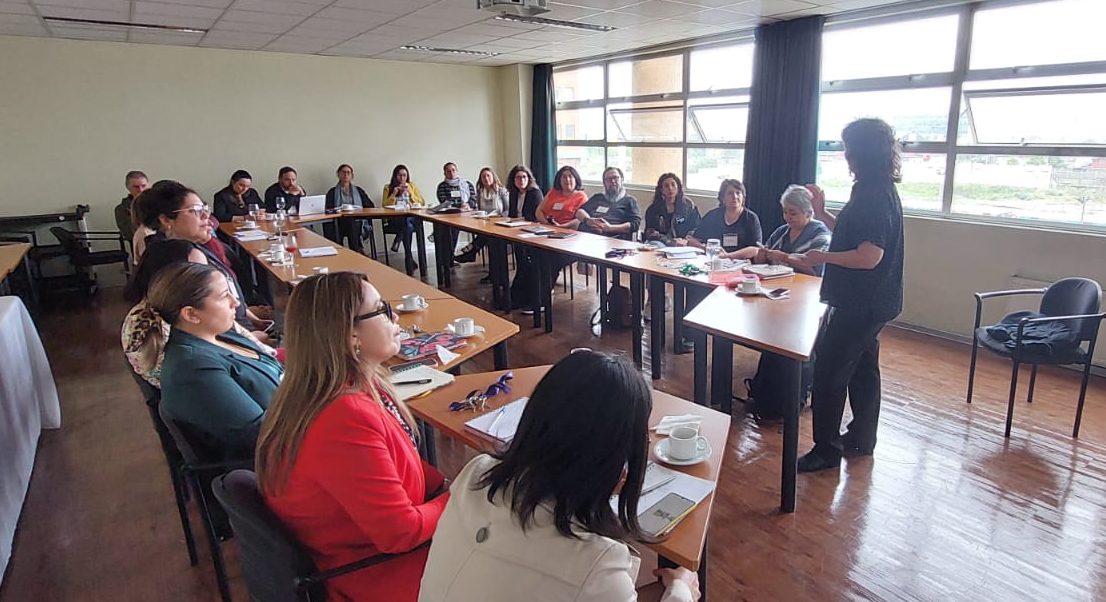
x=173, y=210
x=214, y=380
x=524, y=197
x=337, y=458
x=535, y=523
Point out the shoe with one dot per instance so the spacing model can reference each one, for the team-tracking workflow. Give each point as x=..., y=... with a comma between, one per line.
x=465, y=257
x=851, y=448
x=685, y=347
x=395, y=245
x=528, y=311
x=815, y=461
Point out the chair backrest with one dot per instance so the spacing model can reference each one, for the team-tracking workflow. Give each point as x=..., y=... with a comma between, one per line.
x=270, y=556
x=1074, y=296
x=73, y=247
x=189, y=444
x=152, y=396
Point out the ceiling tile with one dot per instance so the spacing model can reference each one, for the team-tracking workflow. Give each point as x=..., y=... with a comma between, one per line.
x=96, y=4
x=487, y=28
x=22, y=29
x=362, y=48
x=89, y=33
x=240, y=21
x=290, y=43
x=220, y=4
x=14, y=19
x=716, y=16
x=99, y=14
x=177, y=10
x=349, y=28
x=516, y=42
x=398, y=7
x=15, y=7
x=283, y=7
x=371, y=17
x=618, y=19
x=567, y=12
x=657, y=8
x=172, y=38
x=228, y=39
x=601, y=4
x=766, y=8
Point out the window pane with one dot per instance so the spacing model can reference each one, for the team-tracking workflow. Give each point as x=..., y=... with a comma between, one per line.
x=578, y=84
x=588, y=160
x=649, y=76
x=923, y=177
x=580, y=124
x=1033, y=117
x=722, y=68
x=707, y=167
x=918, y=115
x=643, y=165
x=1066, y=31
x=902, y=48
x=645, y=122
x=1058, y=189
x=717, y=119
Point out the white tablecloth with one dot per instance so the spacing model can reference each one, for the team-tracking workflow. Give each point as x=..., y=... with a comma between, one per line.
x=28, y=404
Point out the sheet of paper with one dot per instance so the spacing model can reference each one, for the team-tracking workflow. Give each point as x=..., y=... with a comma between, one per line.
x=251, y=235
x=445, y=355
x=318, y=252
x=692, y=488
x=500, y=424
x=527, y=235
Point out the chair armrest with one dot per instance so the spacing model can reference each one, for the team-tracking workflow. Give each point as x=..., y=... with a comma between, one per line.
x=980, y=297
x=226, y=465
x=303, y=583
x=97, y=236
x=1060, y=318
x=111, y=232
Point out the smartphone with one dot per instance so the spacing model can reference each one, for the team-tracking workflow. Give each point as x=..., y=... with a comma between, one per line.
x=663, y=516
x=776, y=292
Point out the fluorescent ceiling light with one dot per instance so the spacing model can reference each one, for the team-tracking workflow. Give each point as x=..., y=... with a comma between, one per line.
x=553, y=22
x=448, y=50
x=100, y=23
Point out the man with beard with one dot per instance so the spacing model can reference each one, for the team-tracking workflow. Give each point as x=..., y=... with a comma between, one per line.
x=611, y=212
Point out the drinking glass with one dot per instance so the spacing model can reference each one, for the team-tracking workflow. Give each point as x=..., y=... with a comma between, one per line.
x=253, y=210
x=713, y=249
x=280, y=203
x=290, y=245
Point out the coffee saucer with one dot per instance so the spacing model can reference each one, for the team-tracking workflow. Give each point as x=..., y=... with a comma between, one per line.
x=451, y=330
x=660, y=450
x=759, y=292
x=403, y=310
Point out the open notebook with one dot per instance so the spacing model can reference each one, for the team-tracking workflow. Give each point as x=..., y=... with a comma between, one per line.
x=437, y=379
x=501, y=424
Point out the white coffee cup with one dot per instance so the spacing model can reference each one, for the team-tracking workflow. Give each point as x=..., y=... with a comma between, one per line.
x=464, y=326
x=412, y=302
x=322, y=269
x=685, y=443
x=249, y=224
x=750, y=285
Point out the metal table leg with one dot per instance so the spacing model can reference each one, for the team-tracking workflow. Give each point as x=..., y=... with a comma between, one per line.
x=656, y=325
x=721, y=378
x=700, y=370
x=636, y=294
x=420, y=235
x=499, y=353
x=791, y=439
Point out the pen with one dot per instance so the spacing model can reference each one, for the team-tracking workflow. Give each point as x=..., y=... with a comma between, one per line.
x=424, y=381
x=495, y=421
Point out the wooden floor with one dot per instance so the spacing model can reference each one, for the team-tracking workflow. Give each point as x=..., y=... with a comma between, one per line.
x=947, y=508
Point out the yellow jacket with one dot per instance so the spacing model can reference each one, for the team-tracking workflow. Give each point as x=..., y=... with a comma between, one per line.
x=416, y=195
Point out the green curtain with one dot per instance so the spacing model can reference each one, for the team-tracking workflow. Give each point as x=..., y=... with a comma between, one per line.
x=781, y=145
x=543, y=129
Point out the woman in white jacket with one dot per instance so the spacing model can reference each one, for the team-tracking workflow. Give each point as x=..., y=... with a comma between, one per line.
x=536, y=524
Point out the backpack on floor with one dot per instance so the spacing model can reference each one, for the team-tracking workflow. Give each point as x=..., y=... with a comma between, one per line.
x=769, y=387
x=619, y=311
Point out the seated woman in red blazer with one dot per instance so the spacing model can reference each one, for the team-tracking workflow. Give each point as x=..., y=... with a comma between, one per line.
x=336, y=457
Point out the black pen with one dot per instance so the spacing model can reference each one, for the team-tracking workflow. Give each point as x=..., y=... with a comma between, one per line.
x=424, y=381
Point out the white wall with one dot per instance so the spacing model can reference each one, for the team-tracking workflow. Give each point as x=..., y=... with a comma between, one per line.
x=75, y=116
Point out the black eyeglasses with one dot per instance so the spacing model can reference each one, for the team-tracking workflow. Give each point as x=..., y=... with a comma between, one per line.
x=385, y=310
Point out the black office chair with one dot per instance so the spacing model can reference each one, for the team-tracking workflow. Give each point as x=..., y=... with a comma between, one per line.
x=173, y=459
x=1073, y=304
x=276, y=567
x=199, y=469
x=76, y=245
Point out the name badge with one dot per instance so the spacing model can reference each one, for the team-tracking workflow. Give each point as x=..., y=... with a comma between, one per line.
x=681, y=219
x=558, y=206
x=455, y=194
x=729, y=240
x=602, y=210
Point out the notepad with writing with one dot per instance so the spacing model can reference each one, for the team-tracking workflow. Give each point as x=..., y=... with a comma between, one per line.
x=679, y=252
x=437, y=379
x=251, y=235
x=517, y=223
x=768, y=272
x=318, y=252
x=500, y=424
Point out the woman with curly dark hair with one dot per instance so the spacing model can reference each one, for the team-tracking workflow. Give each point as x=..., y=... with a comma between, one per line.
x=863, y=288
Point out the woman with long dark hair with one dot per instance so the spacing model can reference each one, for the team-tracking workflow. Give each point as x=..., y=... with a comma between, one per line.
x=401, y=190
x=862, y=286
x=536, y=522
x=671, y=216
x=232, y=203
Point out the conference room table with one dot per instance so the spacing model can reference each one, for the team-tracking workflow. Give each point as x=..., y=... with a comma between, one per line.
x=687, y=544
x=14, y=262
x=787, y=327
x=442, y=308
x=377, y=213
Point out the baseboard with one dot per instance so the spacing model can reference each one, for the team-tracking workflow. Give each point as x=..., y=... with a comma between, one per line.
x=1096, y=369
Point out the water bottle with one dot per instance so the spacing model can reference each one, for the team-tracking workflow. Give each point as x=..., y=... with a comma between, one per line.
x=713, y=249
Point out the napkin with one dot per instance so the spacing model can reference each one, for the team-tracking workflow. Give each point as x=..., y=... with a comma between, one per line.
x=445, y=355
x=667, y=423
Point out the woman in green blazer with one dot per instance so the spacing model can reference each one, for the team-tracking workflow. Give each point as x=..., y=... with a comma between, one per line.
x=213, y=380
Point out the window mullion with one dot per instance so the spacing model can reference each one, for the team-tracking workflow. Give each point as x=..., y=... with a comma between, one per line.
x=963, y=54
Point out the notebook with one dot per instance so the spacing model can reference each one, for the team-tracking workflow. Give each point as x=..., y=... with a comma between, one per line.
x=437, y=379
x=768, y=272
x=661, y=481
x=516, y=223
x=251, y=235
x=426, y=345
x=318, y=252
x=500, y=424
x=679, y=252
x=538, y=229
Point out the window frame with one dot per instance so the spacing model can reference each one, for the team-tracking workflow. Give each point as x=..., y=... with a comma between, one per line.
x=955, y=79
x=682, y=97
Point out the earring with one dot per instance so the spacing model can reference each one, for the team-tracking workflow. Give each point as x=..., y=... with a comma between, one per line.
x=357, y=348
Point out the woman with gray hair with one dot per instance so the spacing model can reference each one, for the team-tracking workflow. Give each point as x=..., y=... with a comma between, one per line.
x=800, y=234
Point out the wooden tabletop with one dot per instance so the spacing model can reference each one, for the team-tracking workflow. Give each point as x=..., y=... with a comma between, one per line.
x=685, y=545
x=11, y=255
x=787, y=327
x=441, y=312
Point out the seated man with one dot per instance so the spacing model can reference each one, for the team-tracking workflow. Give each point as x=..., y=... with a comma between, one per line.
x=611, y=212
x=455, y=192
x=136, y=182
x=286, y=188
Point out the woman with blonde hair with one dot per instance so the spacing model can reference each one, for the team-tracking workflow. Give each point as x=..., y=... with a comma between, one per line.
x=491, y=197
x=337, y=457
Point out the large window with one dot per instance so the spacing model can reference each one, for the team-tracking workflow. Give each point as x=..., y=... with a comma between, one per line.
x=999, y=106
x=683, y=111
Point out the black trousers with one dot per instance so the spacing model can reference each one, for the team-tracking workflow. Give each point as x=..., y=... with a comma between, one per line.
x=526, y=272
x=847, y=366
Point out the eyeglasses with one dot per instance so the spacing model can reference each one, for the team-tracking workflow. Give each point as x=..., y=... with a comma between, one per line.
x=197, y=210
x=385, y=310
